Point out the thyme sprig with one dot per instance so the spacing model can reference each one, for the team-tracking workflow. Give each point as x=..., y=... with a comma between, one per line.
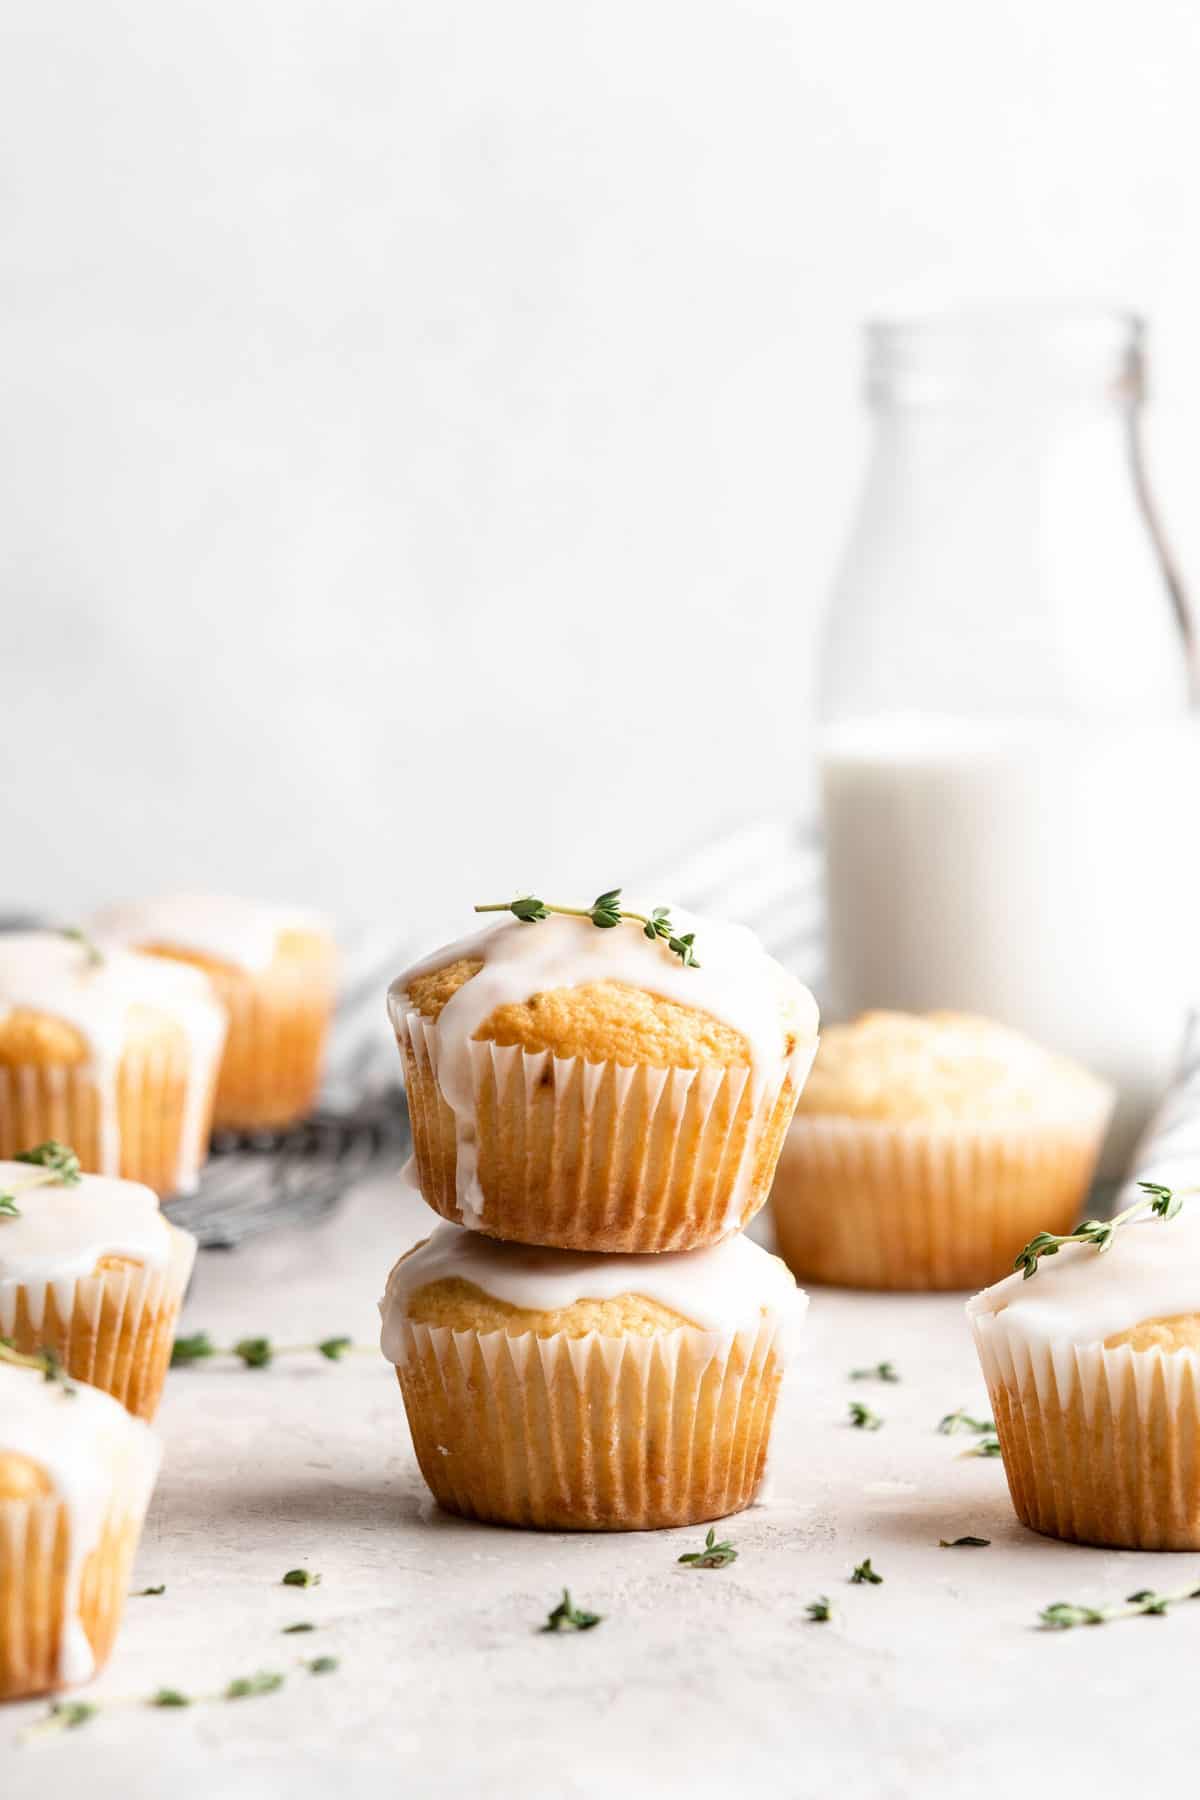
x=1159, y=1203
x=59, y=1165
x=68, y=1715
x=92, y=951
x=880, y=1371
x=44, y=1361
x=257, y=1352
x=605, y=913
x=1063, y=1616
x=713, y=1555
x=568, y=1617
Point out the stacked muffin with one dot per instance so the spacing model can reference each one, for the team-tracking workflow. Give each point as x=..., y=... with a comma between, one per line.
x=587, y=1343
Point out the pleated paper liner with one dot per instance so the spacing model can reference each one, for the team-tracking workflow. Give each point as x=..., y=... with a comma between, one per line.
x=591, y=1433
x=141, y=1138
x=873, y=1204
x=58, y=1622
x=597, y=1156
x=112, y=1329
x=274, y=1049
x=1100, y=1446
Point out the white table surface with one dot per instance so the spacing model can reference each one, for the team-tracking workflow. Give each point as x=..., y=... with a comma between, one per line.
x=697, y=1683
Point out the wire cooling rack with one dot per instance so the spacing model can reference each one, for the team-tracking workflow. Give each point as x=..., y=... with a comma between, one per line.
x=252, y=1184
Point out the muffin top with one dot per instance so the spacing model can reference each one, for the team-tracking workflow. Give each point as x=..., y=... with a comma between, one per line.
x=609, y=996
x=219, y=929
x=465, y=1281
x=1144, y=1290
x=945, y=1067
x=61, y=1230
x=60, y=1439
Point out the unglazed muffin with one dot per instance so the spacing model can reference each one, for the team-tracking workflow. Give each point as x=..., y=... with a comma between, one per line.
x=584, y=1088
x=76, y=1475
x=1093, y=1367
x=927, y=1150
x=92, y=1271
x=589, y=1393
x=273, y=972
x=113, y=1053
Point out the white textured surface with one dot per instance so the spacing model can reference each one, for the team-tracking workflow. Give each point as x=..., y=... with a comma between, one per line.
x=698, y=1683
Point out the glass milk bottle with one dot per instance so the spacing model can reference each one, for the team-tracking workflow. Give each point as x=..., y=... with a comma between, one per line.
x=1010, y=759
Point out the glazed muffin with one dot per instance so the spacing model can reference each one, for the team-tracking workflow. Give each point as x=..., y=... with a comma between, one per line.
x=273, y=972
x=584, y=1088
x=92, y=1271
x=589, y=1393
x=926, y=1151
x=76, y=1475
x=1093, y=1367
x=113, y=1053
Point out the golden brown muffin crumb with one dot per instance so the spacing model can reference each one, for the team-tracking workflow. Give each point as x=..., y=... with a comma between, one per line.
x=461, y=1306
x=21, y=1478
x=1180, y=1332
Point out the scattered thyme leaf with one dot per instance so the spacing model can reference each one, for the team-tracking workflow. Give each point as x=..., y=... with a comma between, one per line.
x=987, y=1446
x=333, y=1349
x=169, y=1697
x=819, y=1610
x=863, y=1572
x=255, y=1352
x=8, y=1207
x=566, y=1617
x=713, y=1555
x=45, y=1361
x=882, y=1371
x=147, y=1593
x=1159, y=1203
x=301, y=1625
x=964, y=1543
x=63, y=1715
x=953, y=1423
x=322, y=1665
x=300, y=1578
x=191, y=1349
x=247, y=1686
x=862, y=1417
x=605, y=912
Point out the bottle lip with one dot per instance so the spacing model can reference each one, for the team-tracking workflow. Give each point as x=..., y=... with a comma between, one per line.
x=1005, y=351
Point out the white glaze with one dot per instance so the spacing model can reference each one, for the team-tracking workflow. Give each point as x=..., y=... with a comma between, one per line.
x=1151, y=1270
x=62, y=1232
x=93, y=1453
x=736, y=982
x=51, y=974
x=242, y=933
x=721, y=1289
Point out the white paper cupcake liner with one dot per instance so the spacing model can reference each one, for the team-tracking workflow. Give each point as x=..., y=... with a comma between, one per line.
x=878, y=1204
x=1100, y=1446
x=61, y=1600
x=596, y=1156
x=113, y=1330
x=592, y=1433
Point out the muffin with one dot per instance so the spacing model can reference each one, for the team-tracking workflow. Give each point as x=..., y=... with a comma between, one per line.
x=76, y=1475
x=926, y=1151
x=587, y=1089
x=113, y=1053
x=273, y=972
x=1093, y=1367
x=589, y=1393
x=92, y=1271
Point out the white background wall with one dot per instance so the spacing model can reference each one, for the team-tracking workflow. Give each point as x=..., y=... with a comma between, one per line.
x=426, y=428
